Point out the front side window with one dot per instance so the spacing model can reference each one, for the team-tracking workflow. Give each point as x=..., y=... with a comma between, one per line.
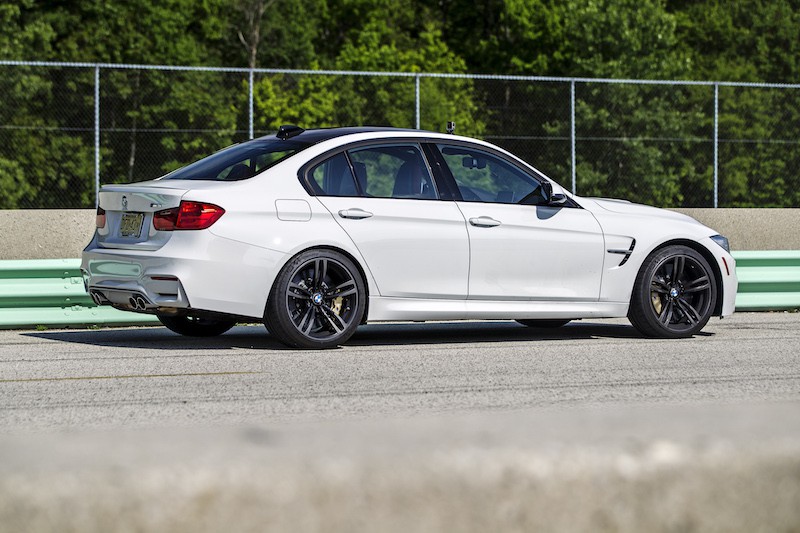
x=483, y=177
x=238, y=162
x=392, y=171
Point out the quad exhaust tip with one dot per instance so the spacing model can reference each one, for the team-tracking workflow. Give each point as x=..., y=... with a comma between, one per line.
x=138, y=303
x=98, y=298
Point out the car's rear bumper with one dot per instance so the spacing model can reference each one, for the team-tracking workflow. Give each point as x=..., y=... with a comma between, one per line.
x=194, y=270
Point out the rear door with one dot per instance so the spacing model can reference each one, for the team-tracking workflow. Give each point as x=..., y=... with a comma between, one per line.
x=383, y=196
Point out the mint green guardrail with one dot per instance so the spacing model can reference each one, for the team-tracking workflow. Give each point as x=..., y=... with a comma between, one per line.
x=50, y=292
x=768, y=280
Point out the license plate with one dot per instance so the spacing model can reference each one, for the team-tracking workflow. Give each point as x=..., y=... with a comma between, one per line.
x=131, y=225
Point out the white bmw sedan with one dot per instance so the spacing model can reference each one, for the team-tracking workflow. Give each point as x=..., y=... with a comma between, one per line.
x=316, y=232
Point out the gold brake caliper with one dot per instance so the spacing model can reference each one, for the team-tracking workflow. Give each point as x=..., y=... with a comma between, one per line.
x=655, y=299
x=337, y=305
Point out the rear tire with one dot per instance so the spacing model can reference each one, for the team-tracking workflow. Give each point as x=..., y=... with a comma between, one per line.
x=674, y=294
x=544, y=323
x=191, y=326
x=317, y=301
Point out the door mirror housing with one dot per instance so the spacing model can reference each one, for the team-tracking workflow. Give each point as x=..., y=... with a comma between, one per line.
x=549, y=197
x=547, y=191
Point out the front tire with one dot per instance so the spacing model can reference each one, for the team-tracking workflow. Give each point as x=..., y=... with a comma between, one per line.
x=191, y=326
x=317, y=301
x=674, y=294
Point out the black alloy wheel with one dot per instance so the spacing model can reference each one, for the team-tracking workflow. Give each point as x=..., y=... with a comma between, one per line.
x=674, y=295
x=317, y=301
x=192, y=326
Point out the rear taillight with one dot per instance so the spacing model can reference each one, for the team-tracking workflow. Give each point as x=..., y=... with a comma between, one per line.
x=188, y=215
x=100, y=219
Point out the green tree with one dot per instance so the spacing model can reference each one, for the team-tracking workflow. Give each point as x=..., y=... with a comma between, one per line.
x=305, y=100
x=391, y=101
x=750, y=41
x=625, y=133
x=271, y=34
x=649, y=143
x=40, y=166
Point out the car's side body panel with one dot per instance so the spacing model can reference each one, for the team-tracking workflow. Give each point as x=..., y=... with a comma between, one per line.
x=653, y=229
x=431, y=259
x=414, y=248
x=533, y=252
x=392, y=309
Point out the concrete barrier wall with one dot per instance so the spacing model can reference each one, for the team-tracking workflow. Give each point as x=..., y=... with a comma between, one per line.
x=610, y=468
x=57, y=234
x=753, y=229
x=45, y=233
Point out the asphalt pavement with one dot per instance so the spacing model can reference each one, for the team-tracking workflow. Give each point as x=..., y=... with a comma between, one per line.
x=153, y=377
x=427, y=427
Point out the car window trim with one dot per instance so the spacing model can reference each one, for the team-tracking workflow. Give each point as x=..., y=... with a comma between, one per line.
x=448, y=189
x=421, y=152
x=304, y=176
x=448, y=175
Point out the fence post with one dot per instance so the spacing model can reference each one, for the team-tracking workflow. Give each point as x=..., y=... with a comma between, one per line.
x=250, y=104
x=716, y=145
x=96, y=136
x=416, y=100
x=572, y=133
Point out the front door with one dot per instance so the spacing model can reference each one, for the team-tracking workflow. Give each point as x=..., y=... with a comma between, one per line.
x=520, y=250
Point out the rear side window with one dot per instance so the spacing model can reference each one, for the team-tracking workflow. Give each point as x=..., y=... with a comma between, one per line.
x=333, y=177
x=393, y=171
x=238, y=162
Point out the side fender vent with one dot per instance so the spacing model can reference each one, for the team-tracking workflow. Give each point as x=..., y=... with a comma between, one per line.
x=627, y=253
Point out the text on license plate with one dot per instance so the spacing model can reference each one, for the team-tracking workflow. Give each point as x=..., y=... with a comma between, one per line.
x=131, y=224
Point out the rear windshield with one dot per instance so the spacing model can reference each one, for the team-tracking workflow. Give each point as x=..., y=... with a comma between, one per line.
x=238, y=162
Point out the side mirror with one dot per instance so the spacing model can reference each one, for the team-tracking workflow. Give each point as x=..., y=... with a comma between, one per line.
x=549, y=197
x=547, y=191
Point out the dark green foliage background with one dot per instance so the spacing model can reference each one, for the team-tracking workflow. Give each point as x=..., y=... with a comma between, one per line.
x=648, y=143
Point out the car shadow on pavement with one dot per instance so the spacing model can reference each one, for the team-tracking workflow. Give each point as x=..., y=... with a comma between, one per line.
x=160, y=338
x=484, y=332
x=256, y=337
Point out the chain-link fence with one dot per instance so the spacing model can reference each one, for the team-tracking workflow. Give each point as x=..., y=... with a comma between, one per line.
x=65, y=128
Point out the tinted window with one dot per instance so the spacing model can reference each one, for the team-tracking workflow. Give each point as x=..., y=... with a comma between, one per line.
x=333, y=177
x=483, y=177
x=238, y=162
x=396, y=171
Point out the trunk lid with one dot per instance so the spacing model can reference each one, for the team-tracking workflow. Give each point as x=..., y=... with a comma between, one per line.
x=129, y=214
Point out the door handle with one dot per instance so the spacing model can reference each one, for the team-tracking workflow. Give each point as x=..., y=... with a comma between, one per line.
x=484, y=222
x=355, y=214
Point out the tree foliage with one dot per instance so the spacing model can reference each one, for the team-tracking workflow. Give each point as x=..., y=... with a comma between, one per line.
x=646, y=142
